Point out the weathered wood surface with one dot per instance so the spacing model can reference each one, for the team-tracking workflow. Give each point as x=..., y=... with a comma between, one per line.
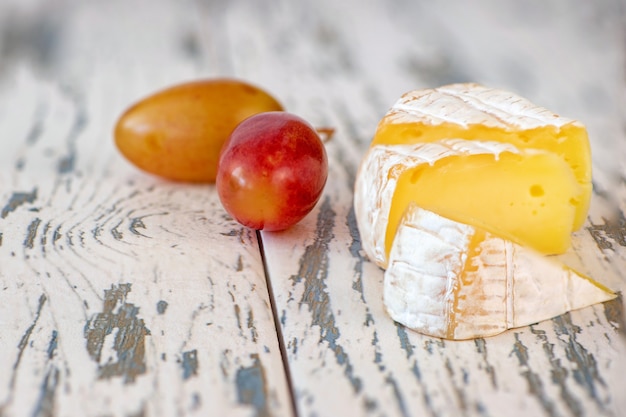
x=125, y=295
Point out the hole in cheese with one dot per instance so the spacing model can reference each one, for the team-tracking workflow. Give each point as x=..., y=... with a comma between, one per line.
x=570, y=143
x=526, y=198
x=536, y=190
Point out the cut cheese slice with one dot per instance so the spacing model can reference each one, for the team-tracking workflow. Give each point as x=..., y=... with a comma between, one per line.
x=527, y=196
x=474, y=112
x=451, y=280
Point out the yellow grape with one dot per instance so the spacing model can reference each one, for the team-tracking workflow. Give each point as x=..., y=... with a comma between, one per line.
x=177, y=133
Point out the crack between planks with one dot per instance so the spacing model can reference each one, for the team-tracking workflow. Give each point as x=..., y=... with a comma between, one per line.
x=279, y=331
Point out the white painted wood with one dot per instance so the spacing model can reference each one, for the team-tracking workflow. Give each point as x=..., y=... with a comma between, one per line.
x=88, y=242
x=120, y=294
x=346, y=357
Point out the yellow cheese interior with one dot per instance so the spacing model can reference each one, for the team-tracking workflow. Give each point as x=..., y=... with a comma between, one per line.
x=570, y=143
x=529, y=198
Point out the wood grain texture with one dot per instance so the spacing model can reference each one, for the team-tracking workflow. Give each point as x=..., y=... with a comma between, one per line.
x=125, y=295
x=121, y=294
x=329, y=297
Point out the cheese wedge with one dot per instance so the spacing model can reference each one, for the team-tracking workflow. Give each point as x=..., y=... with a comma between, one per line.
x=451, y=280
x=524, y=195
x=474, y=112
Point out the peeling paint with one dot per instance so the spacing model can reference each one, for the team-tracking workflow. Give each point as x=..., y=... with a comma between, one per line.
x=129, y=342
x=429, y=343
x=586, y=372
x=96, y=231
x=45, y=404
x=66, y=164
x=313, y=272
x=559, y=373
x=31, y=234
x=161, y=306
x=252, y=387
x=26, y=336
x=17, y=199
x=190, y=364
x=458, y=392
x=612, y=230
x=57, y=234
x=481, y=409
x=237, y=313
x=196, y=401
x=614, y=312
x=481, y=348
x=239, y=265
x=231, y=233
x=117, y=235
x=355, y=251
x=137, y=223
x=21, y=347
x=253, y=332
x=535, y=385
x=378, y=356
x=409, y=348
x=405, y=343
x=293, y=344
x=44, y=235
x=398, y=395
x=52, y=346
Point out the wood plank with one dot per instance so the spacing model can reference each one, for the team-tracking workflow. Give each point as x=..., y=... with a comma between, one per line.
x=120, y=294
x=346, y=357
x=89, y=245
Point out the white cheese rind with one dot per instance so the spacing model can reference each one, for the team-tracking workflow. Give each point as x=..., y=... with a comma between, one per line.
x=378, y=175
x=469, y=103
x=434, y=285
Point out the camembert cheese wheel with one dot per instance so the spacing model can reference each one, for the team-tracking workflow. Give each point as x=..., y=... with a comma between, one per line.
x=455, y=281
x=547, y=153
x=462, y=193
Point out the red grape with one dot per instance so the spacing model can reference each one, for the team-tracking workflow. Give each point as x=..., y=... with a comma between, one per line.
x=271, y=171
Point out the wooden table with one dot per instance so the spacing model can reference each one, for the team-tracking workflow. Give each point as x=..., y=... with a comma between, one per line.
x=122, y=294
